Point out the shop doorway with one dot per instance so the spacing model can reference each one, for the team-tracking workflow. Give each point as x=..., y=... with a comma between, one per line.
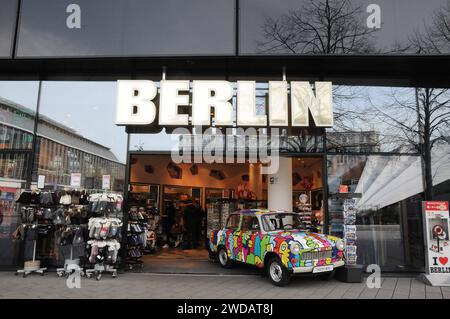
x=181, y=203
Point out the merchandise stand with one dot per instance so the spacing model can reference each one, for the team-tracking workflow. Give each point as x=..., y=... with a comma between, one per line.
x=71, y=264
x=99, y=269
x=102, y=235
x=29, y=219
x=136, y=237
x=32, y=266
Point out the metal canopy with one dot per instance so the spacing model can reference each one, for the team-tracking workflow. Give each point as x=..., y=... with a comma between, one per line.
x=423, y=71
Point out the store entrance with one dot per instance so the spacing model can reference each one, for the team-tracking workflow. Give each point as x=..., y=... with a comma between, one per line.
x=177, y=205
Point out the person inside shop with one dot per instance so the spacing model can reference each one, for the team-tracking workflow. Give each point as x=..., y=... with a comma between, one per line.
x=202, y=220
x=168, y=220
x=192, y=220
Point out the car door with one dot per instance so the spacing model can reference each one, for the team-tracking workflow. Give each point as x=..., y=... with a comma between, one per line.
x=249, y=227
x=232, y=234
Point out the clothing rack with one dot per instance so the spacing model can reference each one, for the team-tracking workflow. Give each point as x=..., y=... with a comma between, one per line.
x=71, y=265
x=136, y=237
x=100, y=267
x=32, y=266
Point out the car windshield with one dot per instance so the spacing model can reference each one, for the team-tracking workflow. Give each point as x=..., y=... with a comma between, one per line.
x=281, y=221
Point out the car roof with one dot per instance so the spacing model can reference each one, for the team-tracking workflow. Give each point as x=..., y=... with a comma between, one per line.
x=259, y=211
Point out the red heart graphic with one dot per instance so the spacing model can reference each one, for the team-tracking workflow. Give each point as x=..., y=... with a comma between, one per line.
x=443, y=260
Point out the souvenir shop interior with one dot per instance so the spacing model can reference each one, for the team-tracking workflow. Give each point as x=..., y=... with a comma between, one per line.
x=177, y=205
x=171, y=210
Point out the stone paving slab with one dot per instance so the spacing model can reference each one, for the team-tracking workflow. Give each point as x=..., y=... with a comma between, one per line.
x=146, y=285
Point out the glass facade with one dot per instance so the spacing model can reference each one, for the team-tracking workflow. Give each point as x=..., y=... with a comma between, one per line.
x=305, y=27
x=388, y=192
x=57, y=162
x=374, y=151
x=126, y=28
x=62, y=144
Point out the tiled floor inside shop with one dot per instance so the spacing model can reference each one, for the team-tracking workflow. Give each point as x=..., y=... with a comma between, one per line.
x=147, y=285
x=188, y=261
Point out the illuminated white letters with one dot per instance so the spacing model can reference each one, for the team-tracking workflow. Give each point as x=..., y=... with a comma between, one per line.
x=135, y=106
x=134, y=102
x=208, y=94
x=170, y=99
x=278, y=116
x=246, y=105
x=320, y=105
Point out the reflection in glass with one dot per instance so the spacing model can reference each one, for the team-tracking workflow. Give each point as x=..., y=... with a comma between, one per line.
x=388, y=191
x=8, y=17
x=17, y=113
x=375, y=119
x=344, y=27
x=72, y=136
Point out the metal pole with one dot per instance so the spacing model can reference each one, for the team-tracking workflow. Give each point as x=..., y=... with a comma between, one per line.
x=125, y=205
x=164, y=71
x=34, y=250
x=35, y=141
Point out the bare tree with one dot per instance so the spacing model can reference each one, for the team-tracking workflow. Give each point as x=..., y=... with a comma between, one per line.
x=421, y=123
x=436, y=37
x=318, y=27
x=321, y=27
x=431, y=107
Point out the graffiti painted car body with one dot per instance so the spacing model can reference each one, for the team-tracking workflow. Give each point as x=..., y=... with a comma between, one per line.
x=276, y=242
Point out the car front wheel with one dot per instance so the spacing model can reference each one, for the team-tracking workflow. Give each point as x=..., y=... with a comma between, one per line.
x=224, y=260
x=277, y=273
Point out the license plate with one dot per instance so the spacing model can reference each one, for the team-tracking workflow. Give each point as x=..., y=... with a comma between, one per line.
x=322, y=269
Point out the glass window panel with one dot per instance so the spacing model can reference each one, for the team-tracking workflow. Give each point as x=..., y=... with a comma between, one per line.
x=127, y=28
x=8, y=17
x=82, y=132
x=343, y=27
x=18, y=100
x=388, y=191
x=375, y=119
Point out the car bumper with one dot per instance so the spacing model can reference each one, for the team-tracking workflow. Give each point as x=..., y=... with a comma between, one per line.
x=300, y=270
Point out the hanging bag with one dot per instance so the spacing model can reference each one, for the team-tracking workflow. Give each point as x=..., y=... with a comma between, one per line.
x=18, y=233
x=46, y=199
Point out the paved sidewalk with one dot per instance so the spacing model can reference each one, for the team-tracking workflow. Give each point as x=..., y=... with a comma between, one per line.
x=145, y=285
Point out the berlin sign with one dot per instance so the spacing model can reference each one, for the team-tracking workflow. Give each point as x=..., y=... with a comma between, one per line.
x=136, y=104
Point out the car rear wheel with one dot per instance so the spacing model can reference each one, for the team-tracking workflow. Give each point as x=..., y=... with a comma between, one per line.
x=277, y=273
x=224, y=260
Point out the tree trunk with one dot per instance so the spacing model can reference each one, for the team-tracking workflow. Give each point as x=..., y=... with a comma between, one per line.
x=428, y=173
x=426, y=151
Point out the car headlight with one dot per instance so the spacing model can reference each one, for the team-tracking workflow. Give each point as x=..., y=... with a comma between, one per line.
x=295, y=248
x=340, y=245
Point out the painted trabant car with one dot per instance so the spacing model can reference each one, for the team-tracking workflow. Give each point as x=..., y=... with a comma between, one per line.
x=277, y=242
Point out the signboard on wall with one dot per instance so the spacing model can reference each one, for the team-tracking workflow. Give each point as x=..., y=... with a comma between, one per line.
x=41, y=181
x=137, y=104
x=106, y=182
x=437, y=243
x=343, y=189
x=75, y=180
